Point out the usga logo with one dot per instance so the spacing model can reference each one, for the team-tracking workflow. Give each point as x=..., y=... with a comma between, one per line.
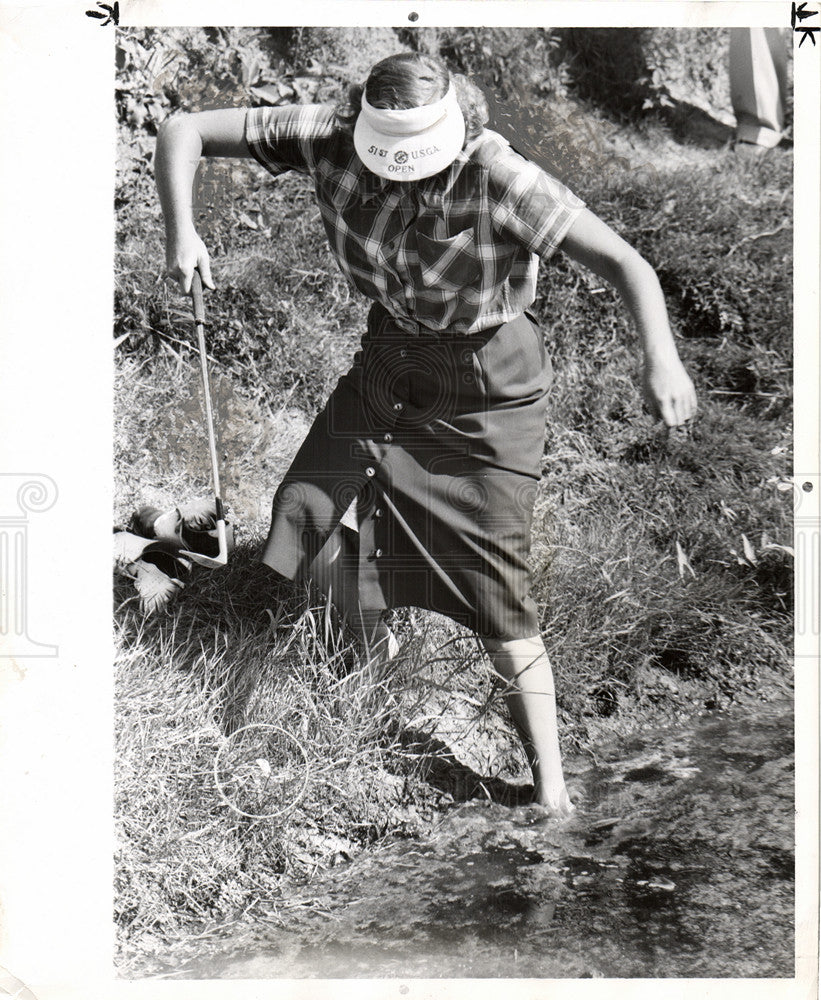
x=400, y=156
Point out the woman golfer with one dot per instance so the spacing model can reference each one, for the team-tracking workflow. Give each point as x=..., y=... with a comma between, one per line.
x=416, y=483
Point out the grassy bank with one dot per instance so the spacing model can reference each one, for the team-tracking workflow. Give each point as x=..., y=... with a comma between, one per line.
x=660, y=562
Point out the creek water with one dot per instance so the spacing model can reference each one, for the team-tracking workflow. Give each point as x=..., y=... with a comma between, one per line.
x=679, y=862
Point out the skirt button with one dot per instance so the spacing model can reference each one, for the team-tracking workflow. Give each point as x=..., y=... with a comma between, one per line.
x=370, y=471
x=388, y=438
x=398, y=407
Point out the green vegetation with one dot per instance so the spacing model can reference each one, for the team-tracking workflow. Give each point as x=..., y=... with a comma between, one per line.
x=661, y=562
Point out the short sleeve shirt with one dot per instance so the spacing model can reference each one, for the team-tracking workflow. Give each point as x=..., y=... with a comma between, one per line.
x=455, y=253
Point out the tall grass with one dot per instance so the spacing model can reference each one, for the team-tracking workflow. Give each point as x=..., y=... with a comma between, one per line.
x=237, y=651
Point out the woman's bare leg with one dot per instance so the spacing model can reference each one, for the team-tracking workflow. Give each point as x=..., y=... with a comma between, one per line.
x=531, y=697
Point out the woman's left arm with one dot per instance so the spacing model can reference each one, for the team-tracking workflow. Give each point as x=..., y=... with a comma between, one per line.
x=668, y=389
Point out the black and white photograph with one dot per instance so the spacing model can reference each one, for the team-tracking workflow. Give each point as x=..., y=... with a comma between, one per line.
x=458, y=448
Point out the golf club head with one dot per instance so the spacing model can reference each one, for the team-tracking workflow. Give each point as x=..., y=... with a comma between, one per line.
x=225, y=537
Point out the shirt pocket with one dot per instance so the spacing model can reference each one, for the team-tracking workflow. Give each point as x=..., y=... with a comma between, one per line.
x=336, y=188
x=451, y=263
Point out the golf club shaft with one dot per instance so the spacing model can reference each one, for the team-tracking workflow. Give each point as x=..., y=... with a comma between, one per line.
x=199, y=319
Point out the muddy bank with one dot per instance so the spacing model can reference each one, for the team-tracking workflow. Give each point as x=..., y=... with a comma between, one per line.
x=678, y=863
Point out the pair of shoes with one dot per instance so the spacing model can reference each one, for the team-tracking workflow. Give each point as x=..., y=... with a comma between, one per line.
x=191, y=526
x=154, y=566
x=151, y=552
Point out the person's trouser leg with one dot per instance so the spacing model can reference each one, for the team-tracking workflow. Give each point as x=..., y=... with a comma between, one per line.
x=531, y=698
x=758, y=77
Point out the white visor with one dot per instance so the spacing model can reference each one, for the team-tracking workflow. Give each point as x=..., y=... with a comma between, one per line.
x=411, y=144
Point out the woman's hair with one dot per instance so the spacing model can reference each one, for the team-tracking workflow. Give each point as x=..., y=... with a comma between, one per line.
x=411, y=80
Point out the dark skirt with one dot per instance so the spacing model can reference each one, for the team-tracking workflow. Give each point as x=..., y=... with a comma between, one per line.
x=439, y=439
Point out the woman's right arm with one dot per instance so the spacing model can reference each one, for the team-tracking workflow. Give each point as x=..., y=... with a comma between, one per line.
x=181, y=141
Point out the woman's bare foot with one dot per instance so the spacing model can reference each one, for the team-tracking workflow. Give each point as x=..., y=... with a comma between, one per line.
x=555, y=800
x=531, y=698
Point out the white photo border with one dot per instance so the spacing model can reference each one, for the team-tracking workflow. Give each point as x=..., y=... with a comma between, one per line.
x=56, y=167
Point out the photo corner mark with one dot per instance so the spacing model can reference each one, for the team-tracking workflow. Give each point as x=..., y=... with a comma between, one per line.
x=798, y=16
x=107, y=13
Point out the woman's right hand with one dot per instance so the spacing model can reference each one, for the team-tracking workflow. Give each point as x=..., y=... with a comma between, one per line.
x=185, y=254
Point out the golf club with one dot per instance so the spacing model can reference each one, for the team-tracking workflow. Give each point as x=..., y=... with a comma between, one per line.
x=224, y=532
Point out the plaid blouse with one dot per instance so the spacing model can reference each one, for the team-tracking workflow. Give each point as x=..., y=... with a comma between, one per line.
x=454, y=253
